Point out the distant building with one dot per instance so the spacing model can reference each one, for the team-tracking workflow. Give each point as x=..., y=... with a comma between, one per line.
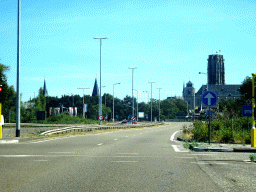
x=216, y=84
x=95, y=91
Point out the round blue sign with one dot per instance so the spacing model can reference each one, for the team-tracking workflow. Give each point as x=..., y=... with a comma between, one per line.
x=209, y=98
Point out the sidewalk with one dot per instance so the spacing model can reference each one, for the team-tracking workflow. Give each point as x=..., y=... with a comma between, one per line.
x=220, y=147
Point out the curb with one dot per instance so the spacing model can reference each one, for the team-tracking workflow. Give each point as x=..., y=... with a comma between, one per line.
x=197, y=149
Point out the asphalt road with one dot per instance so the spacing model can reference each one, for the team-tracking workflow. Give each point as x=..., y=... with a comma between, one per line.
x=127, y=160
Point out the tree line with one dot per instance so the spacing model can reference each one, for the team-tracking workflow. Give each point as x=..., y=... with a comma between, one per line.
x=169, y=108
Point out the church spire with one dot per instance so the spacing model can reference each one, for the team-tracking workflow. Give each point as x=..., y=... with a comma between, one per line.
x=95, y=91
x=45, y=92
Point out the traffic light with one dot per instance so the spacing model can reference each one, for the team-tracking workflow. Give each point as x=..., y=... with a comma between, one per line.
x=1, y=93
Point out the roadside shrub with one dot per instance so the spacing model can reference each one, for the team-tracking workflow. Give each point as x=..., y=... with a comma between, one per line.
x=200, y=131
x=215, y=125
x=226, y=135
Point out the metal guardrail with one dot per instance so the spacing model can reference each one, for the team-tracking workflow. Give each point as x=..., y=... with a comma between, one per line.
x=83, y=129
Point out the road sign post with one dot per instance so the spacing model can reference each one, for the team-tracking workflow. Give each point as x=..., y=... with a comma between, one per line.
x=209, y=98
x=100, y=117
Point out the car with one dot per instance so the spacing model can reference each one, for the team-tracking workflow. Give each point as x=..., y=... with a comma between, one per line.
x=134, y=122
x=124, y=122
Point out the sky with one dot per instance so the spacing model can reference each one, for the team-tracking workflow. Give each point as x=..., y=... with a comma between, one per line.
x=169, y=42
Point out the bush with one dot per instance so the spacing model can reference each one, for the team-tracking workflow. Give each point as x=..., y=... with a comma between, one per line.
x=200, y=131
x=67, y=119
x=226, y=135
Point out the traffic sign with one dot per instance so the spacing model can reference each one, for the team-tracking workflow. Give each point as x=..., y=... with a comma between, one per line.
x=209, y=98
x=100, y=117
x=247, y=110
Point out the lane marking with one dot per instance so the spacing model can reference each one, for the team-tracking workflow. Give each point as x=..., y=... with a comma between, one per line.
x=175, y=148
x=100, y=144
x=210, y=163
x=124, y=161
x=115, y=139
x=173, y=135
x=60, y=152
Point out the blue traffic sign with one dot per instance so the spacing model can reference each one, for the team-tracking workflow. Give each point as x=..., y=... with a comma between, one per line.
x=247, y=110
x=209, y=98
x=130, y=116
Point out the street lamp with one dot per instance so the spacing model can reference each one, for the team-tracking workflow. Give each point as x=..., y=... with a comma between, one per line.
x=132, y=91
x=100, y=108
x=159, y=103
x=207, y=78
x=105, y=101
x=83, y=101
x=148, y=94
x=18, y=75
x=151, y=99
x=137, y=104
x=114, y=103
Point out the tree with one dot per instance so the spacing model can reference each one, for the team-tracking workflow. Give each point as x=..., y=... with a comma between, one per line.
x=246, y=89
x=8, y=95
x=169, y=109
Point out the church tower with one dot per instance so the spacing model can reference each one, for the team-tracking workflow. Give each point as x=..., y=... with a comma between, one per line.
x=188, y=95
x=95, y=91
x=215, y=70
x=45, y=92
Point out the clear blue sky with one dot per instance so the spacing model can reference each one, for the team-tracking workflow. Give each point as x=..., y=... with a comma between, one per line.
x=169, y=42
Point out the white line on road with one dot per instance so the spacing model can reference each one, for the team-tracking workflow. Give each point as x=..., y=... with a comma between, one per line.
x=125, y=161
x=173, y=135
x=210, y=163
x=176, y=149
x=100, y=144
x=60, y=152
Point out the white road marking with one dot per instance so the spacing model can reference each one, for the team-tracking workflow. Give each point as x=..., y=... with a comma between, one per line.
x=185, y=157
x=201, y=154
x=210, y=163
x=176, y=149
x=60, y=152
x=173, y=135
x=126, y=136
x=125, y=161
x=100, y=144
x=115, y=139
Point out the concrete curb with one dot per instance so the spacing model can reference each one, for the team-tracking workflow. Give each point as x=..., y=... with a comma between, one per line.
x=197, y=149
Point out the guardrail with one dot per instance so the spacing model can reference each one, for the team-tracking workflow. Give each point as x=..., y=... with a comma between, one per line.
x=84, y=129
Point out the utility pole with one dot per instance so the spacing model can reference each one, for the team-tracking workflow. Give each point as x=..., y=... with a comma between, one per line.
x=132, y=91
x=83, y=101
x=151, y=99
x=159, y=103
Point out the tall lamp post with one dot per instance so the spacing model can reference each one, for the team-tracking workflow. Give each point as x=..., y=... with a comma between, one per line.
x=137, y=104
x=132, y=68
x=83, y=100
x=148, y=94
x=100, y=107
x=105, y=102
x=18, y=75
x=151, y=99
x=114, y=103
x=159, y=103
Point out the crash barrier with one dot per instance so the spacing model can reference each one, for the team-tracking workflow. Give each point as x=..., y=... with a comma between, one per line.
x=85, y=129
x=41, y=128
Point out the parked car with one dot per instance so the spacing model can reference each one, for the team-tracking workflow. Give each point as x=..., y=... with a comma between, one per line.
x=134, y=122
